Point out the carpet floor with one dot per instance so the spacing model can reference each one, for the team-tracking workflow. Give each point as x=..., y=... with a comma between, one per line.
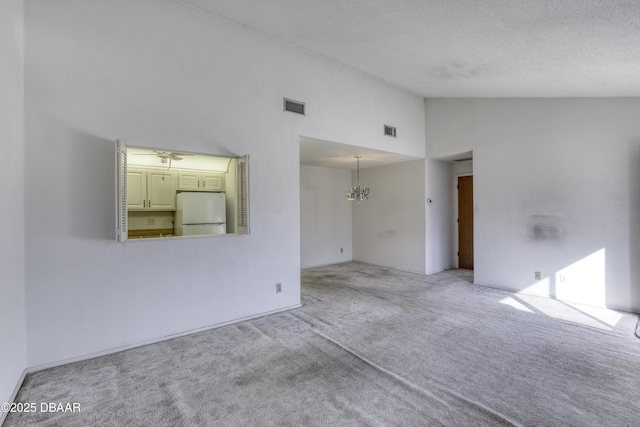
x=370, y=347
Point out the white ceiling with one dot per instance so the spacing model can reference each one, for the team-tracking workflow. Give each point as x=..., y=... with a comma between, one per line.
x=460, y=48
x=137, y=156
x=463, y=48
x=316, y=152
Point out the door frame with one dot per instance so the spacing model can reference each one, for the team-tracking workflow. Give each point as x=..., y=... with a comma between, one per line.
x=455, y=245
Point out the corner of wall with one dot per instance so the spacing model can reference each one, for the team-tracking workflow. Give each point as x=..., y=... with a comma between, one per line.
x=12, y=257
x=438, y=215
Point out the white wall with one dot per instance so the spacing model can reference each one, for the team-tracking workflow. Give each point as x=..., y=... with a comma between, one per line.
x=12, y=307
x=556, y=190
x=389, y=228
x=160, y=73
x=439, y=216
x=325, y=216
x=462, y=168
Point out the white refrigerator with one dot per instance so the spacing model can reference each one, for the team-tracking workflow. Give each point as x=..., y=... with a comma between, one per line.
x=200, y=213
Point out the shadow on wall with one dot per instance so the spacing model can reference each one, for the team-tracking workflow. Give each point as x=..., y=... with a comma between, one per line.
x=595, y=267
x=634, y=222
x=91, y=186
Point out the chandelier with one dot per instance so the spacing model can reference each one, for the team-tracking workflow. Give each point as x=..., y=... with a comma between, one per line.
x=358, y=193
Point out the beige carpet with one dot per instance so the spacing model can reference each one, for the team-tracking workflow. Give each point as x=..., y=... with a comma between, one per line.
x=370, y=347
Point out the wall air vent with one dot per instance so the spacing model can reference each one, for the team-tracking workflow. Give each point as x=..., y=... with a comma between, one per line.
x=293, y=106
x=389, y=131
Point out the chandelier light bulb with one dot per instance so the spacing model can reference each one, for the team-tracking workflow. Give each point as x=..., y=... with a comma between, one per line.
x=358, y=193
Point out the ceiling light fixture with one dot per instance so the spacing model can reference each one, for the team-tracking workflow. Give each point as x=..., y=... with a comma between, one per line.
x=358, y=193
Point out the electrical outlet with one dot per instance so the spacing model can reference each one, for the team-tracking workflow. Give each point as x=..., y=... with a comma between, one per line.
x=151, y=221
x=341, y=250
x=563, y=278
x=278, y=287
x=538, y=275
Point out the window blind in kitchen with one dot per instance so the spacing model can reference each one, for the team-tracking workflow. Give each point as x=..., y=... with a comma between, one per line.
x=242, y=195
x=121, y=192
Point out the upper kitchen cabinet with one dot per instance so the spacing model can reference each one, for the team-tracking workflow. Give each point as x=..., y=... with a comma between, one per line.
x=149, y=189
x=200, y=181
x=136, y=189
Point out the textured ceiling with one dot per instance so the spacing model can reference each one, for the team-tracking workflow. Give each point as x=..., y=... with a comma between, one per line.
x=463, y=48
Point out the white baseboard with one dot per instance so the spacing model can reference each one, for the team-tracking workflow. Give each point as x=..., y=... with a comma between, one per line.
x=37, y=368
x=3, y=415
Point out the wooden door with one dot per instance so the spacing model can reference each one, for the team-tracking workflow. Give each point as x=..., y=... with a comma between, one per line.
x=465, y=222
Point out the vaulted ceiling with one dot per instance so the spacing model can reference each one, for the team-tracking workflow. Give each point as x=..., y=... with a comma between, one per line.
x=455, y=48
x=463, y=48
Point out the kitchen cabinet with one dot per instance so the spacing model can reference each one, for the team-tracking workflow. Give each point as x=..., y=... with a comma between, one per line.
x=136, y=189
x=200, y=181
x=151, y=190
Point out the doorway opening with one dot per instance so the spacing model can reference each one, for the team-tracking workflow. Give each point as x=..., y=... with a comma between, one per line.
x=464, y=189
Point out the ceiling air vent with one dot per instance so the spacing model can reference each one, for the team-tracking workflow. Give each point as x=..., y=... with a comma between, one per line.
x=293, y=106
x=389, y=131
